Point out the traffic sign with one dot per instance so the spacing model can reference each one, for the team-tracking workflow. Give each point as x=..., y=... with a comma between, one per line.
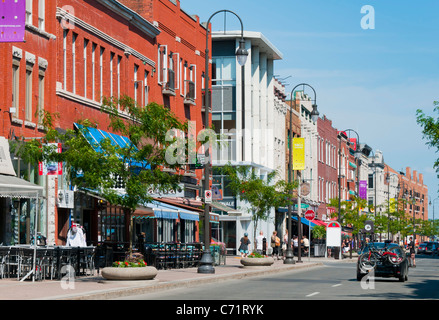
x=208, y=196
x=310, y=214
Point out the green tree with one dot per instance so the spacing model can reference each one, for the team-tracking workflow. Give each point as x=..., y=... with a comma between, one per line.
x=430, y=129
x=121, y=175
x=261, y=194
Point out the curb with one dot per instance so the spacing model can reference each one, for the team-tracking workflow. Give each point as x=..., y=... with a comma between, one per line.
x=156, y=286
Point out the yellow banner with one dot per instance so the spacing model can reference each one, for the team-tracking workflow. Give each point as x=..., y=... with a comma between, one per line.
x=392, y=205
x=298, y=153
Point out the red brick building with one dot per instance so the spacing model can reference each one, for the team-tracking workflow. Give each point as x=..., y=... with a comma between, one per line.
x=327, y=165
x=77, y=52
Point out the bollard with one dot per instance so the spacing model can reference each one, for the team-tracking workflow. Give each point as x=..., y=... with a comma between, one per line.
x=264, y=246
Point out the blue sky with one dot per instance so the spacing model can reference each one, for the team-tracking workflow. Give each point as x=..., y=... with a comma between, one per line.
x=368, y=80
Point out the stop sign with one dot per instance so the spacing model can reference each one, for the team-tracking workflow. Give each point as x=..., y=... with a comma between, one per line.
x=310, y=214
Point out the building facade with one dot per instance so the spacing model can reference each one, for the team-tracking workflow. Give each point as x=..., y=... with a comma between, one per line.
x=245, y=112
x=77, y=52
x=327, y=166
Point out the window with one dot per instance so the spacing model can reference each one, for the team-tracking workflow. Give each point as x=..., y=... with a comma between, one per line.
x=111, y=74
x=136, y=84
x=93, y=70
x=145, y=88
x=15, y=86
x=29, y=11
x=119, y=59
x=101, y=73
x=28, y=91
x=41, y=13
x=40, y=94
x=65, y=59
x=85, y=67
x=162, y=64
x=74, y=36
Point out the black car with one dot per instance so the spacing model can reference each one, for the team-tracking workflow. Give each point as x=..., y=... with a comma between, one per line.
x=422, y=248
x=431, y=247
x=384, y=268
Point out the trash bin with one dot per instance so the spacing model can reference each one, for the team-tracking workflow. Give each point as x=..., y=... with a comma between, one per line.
x=319, y=250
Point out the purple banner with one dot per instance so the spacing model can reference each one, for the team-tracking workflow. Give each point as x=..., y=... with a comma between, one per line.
x=363, y=189
x=12, y=20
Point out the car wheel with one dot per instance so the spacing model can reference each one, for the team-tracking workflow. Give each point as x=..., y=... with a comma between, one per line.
x=359, y=276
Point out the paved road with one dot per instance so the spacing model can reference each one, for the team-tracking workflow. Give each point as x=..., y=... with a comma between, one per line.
x=332, y=281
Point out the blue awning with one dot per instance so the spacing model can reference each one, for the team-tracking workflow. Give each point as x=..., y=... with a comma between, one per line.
x=95, y=136
x=305, y=222
x=162, y=211
x=167, y=211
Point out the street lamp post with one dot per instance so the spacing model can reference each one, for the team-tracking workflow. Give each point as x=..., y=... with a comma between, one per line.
x=434, y=226
x=389, y=174
x=206, y=262
x=357, y=184
x=289, y=255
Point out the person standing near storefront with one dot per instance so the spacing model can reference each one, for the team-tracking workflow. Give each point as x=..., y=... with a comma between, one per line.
x=259, y=242
x=275, y=244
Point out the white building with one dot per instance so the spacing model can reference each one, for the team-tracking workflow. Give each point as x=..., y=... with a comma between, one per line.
x=245, y=113
x=310, y=133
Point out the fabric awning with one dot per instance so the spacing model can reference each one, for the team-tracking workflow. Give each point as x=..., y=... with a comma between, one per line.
x=95, y=136
x=319, y=222
x=222, y=207
x=13, y=187
x=157, y=209
x=305, y=222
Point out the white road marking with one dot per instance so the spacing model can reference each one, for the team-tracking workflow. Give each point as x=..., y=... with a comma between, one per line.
x=336, y=285
x=313, y=294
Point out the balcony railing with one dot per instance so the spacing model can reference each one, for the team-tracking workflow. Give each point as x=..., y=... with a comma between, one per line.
x=169, y=87
x=190, y=93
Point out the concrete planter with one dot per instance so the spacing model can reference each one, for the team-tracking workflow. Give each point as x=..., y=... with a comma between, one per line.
x=257, y=262
x=141, y=273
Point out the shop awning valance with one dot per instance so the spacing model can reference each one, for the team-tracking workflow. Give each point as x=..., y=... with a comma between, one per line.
x=305, y=222
x=157, y=209
x=13, y=187
x=222, y=207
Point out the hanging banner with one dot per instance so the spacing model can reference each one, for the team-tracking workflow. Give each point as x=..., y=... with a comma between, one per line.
x=392, y=205
x=51, y=168
x=362, y=186
x=298, y=153
x=12, y=21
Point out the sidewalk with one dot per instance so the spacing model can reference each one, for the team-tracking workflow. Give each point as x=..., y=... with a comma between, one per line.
x=97, y=288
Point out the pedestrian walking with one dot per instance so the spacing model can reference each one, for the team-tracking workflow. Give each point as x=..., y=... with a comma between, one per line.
x=411, y=247
x=243, y=248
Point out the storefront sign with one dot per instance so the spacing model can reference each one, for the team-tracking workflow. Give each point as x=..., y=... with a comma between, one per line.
x=12, y=22
x=179, y=193
x=65, y=199
x=6, y=166
x=298, y=153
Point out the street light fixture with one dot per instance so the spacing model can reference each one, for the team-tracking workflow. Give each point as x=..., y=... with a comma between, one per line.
x=206, y=262
x=289, y=256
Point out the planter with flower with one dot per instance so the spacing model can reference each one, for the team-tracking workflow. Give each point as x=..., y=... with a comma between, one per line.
x=257, y=260
x=130, y=269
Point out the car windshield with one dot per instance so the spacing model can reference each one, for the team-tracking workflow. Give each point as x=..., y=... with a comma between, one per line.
x=379, y=245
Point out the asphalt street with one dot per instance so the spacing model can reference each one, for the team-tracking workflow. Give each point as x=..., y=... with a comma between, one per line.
x=331, y=281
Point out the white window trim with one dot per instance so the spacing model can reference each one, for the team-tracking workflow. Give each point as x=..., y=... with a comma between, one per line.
x=41, y=14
